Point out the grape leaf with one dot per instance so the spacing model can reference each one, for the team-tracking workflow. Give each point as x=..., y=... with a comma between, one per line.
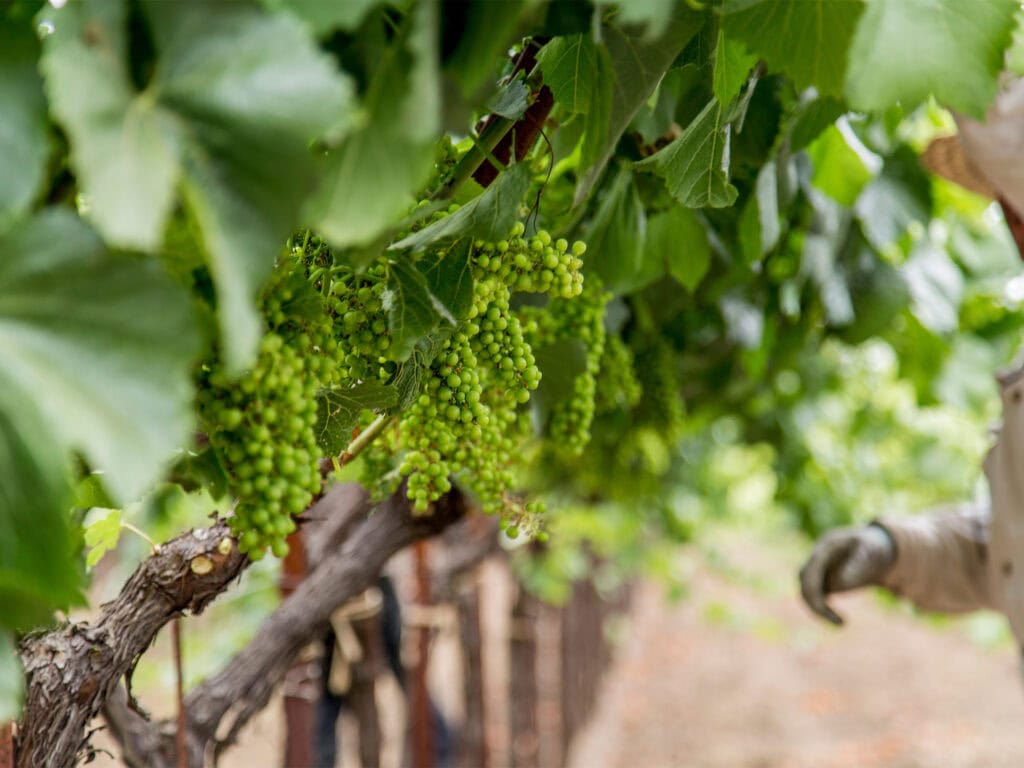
x=12, y=683
x=102, y=536
x=694, y=165
x=903, y=51
x=838, y=170
x=23, y=136
x=338, y=412
x=38, y=571
x=615, y=235
x=635, y=66
x=449, y=277
x=1015, y=53
x=372, y=177
x=569, y=65
x=409, y=376
x=805, y=39
x=511, y=101
x=412, y=309
x=236, y=97
x=489, y=216
x=733, y=63
x=677, y=239
x=103, y=343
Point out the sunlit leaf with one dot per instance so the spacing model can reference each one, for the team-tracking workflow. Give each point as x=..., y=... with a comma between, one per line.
x=806, y=39
x=23, y=136
x=694, y=165
x=904, y=49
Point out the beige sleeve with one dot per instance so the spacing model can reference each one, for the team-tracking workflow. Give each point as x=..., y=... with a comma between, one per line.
x=942, y=560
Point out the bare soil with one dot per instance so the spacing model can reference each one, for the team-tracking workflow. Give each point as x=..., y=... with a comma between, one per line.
x=740, y=675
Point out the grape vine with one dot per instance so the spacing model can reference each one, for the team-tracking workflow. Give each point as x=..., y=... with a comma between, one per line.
x=330, y=332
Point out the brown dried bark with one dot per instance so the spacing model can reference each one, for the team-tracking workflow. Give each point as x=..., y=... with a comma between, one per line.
x=71, y=672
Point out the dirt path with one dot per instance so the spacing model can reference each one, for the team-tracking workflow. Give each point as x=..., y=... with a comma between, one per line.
x=740, y=676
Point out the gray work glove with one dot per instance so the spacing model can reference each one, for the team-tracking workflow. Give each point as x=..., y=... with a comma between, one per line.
x=843, y=559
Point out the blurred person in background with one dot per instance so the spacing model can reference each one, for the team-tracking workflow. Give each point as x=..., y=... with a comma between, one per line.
x=968, y=556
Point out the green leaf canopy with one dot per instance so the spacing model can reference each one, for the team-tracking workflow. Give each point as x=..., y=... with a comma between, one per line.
x=235, y=99
x=903, y=52
x=102, y=344
x=23, y=140
x=807, y=39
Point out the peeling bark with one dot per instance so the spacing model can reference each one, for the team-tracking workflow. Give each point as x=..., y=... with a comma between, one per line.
x=72, y=671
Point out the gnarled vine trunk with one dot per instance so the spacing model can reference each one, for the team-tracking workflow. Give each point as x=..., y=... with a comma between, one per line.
x=72, y=671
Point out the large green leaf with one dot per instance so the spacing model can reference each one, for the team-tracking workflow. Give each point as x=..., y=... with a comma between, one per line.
x=102, y=343
x=615, y=235
x=488, y=216
x=694, y=165
x=12, y=683
x=569, y=65
x=38, y=569
x=372, y=177
x=805, y=39
x=236, y=98
x=678, y=240
x=636, y=66
x=905, y=50
x=23, y=139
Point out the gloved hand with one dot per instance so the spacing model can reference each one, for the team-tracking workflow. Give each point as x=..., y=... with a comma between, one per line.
x=843, y=559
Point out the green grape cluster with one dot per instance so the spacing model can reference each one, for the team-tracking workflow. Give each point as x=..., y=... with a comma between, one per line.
x=448, y=415
x=262, y=428
x=662, y=407
x=618, y=387
x=534, y=265
x=496, y=336
x=466, y=422
x=581, y=318
x=359, y=323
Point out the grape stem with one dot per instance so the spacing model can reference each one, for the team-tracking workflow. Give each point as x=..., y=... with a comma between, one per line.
x=364, y=438
x=474, y=158
x=140, y=533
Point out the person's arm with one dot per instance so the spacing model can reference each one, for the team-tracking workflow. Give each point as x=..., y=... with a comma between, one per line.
x=938, y=561
x=942, y=560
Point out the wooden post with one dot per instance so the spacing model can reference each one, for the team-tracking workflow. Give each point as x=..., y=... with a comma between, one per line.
x=582, y=637
x=422, y=720
x=7, y=745
x=523, y=683
x=300, y=690
x=473, y=751
x=362, y=695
